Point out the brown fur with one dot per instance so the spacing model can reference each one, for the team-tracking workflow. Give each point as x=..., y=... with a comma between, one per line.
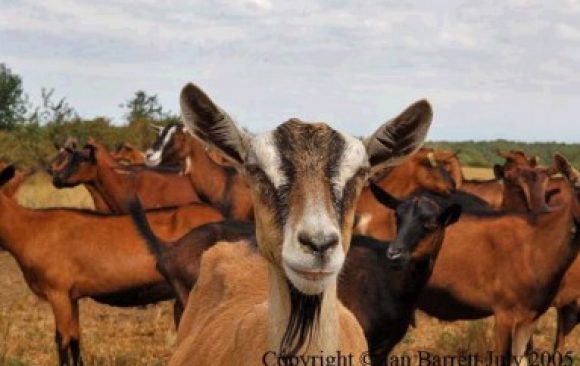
x=117, y=187
x=506, y=265
x=125, y=153
x=227, y=320
x=414, y=174
x=212, y=176
x=72, y=254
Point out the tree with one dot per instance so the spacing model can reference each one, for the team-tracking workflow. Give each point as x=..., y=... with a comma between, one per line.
x=53, y=112
x=143, y=106
x=13, y=101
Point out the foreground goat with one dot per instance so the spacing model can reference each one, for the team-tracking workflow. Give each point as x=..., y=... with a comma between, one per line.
x=506, y=265
x=305, y=179
x=70, y=254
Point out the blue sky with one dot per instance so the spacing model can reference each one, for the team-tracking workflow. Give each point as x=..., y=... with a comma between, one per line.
x=492, y=69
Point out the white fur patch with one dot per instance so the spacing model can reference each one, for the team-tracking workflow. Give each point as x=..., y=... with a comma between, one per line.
x=153, y=157
x=353, y=158
x=268, y=158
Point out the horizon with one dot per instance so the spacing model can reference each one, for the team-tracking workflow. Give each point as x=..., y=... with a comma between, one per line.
x=491, y=71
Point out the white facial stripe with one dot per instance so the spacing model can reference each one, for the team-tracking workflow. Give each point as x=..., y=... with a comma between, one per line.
x=353, y=158
x=266, y=152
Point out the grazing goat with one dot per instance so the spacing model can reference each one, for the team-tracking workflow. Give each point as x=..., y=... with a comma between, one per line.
x=508, y=265
x=94, y=167
x=435, y=171
x=305, y=179
x=71, y=254
x=125, y=153
x=216, y=183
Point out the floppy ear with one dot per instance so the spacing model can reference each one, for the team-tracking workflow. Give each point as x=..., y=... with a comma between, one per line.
x=208, y=122
x=384, y=198
x=534, y=161
x=6, y=174
x=450, y=215
x=399, y=138
x=498, y=171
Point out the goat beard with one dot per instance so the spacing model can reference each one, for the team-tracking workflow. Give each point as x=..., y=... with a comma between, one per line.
x=302, y=323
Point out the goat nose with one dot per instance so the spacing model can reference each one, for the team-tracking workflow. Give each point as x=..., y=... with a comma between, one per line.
x=394, y=253
x=319, y=243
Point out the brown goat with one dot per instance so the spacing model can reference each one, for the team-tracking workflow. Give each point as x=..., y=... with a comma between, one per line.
x=72, y=254
x=507, y=265
x=93, y=166
x=305, y=180
x=64, y=154
x=429, y=170
x=216, y=183
x=125, y=153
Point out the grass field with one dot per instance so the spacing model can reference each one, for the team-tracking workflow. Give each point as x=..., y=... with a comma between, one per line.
x=112, y=336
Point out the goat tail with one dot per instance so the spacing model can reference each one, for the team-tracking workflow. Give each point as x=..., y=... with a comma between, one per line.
x=154, y=243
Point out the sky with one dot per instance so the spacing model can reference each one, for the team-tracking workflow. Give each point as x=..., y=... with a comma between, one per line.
x=491, y=68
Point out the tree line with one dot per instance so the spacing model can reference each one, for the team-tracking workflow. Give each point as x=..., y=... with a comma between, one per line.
x=28, y=132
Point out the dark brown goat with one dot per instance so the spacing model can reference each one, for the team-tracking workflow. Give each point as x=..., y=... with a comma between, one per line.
x=93, y=166
x=72, y=254
x=216, y=183
x=506, y=265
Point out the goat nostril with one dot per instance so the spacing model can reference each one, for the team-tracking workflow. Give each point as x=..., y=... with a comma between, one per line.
x=394, y=253
x=319, y=243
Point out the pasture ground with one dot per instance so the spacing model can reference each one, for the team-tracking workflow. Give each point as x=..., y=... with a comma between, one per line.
x=124, y=337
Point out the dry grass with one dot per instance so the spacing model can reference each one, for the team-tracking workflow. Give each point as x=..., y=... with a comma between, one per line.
x=112, y=336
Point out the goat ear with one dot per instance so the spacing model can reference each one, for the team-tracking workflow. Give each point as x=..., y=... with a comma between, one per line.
x=450, y=215
x=562, y=165
x=399, y=138
x=534, y=161
x=551, y=193
x=57, y=146
x=212, y=125
x=6, y=174
x=384, y=198
x=498, y=171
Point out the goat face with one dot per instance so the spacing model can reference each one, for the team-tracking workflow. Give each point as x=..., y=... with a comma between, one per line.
x=532, y=182
x=305, y=180
x=73, y=167
x=169, y=146
x=420, y=224
x=437, y=171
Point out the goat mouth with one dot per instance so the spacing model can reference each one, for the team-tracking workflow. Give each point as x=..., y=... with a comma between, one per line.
x=311, y=274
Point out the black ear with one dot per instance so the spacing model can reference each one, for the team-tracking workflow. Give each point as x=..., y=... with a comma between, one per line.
x=57, y=146
x=384, y=198
x=450, y=215
x=498, y=171
x=7, y=174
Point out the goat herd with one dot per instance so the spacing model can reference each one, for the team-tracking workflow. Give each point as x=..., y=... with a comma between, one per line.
x=303, y=244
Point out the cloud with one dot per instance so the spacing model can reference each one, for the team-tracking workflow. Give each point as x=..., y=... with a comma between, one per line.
x=341, y=61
